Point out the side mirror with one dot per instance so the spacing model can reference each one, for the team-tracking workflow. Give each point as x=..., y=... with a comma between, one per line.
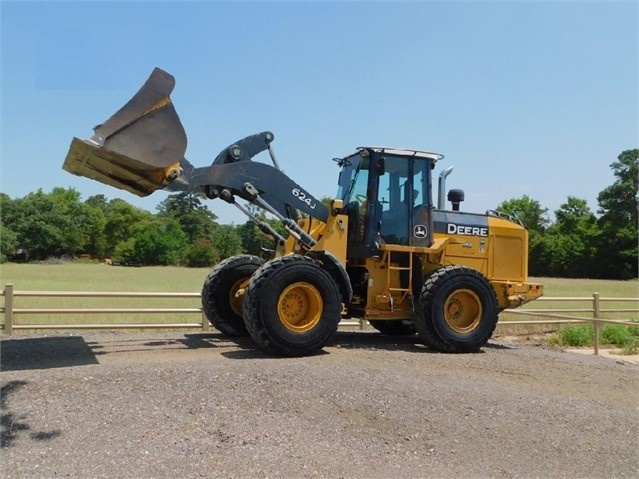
x=381, y=168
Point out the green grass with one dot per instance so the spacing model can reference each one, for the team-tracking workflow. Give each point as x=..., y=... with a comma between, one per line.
x=97, y=277
x=584, y=288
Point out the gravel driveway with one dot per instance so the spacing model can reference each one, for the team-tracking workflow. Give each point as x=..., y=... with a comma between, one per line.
x=156, y=405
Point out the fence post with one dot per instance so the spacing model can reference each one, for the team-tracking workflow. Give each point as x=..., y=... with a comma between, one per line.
x=596, y=313
x=206, y=326
x=8, y=309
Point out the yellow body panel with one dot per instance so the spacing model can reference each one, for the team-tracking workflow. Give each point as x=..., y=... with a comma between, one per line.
x=501, y=256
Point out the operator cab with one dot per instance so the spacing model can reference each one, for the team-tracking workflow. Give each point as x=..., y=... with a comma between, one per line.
x=387, y=197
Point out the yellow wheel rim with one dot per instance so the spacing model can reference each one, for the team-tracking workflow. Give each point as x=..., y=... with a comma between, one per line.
x=463, y=311
x=300, y=307
x=236, y=295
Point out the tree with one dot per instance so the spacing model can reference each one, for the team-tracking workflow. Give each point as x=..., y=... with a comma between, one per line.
x=86, y=233
x=253, y=240
x=160, y=241
x=187, y=209
x=571, y=241
x=8, y=238
x=8, y=243
x=226, y=241
x=201, y=253
x=98, y=201
x=121, y=220
x=96, y=244
x=528, y=211
x=618, y=249
x=51, y=224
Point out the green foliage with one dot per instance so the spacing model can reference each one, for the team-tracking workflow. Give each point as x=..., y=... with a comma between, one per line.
x=8, y=243
x=253, y=240
x=124, y=252
x=51, y=224
x=577, y=336
x=568, y=244
x=98, y=201
x=201, y=254
x=159, y=242
x=195, y=219
x=610, y=334
x=554, y=340
x=616, y=334
x=226, y=241
x=631, y=347
x=528, y=211
x=121, y=220
x=618, y=222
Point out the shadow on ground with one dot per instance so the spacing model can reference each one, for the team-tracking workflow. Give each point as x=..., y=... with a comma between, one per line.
x=44, y=353
x=357, y=340
x=13, y=425
x=67, y=351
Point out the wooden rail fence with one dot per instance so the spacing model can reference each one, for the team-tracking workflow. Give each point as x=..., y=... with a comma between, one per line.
x=554, y=316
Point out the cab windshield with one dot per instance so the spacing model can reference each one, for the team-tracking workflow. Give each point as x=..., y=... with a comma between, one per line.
x=353, y=178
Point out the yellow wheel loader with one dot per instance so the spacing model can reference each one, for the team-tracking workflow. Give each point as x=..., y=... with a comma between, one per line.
x=381, y=250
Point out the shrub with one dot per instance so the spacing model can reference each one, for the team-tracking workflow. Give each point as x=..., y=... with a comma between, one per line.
x=632, y=346
x=582, y=335
x=124, y=252
x=201, y=253
x=554, y=340
x=616, y=334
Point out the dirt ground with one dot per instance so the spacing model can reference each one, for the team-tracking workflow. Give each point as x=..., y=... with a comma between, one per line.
x=156, y=405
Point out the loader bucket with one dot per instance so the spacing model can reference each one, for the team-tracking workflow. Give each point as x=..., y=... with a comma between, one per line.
x=140, y=147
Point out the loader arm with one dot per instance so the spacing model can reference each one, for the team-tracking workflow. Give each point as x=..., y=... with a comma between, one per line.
x=273, y=185
x=141, y=149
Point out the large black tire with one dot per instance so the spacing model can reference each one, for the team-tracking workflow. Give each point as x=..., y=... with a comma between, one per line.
x=394, y=327
x=221, y=306
x=457, y=311
x=292, y=306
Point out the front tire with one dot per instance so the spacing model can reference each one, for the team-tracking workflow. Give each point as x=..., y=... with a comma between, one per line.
x=221, y=303
x=292, y=306
x=457, y=310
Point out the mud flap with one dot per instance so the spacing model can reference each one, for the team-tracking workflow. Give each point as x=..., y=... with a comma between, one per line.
x=138, y=149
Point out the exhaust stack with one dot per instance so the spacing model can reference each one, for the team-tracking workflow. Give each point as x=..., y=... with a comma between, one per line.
x=441, y=187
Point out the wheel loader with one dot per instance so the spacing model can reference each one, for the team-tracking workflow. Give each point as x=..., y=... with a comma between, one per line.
x=381, y=250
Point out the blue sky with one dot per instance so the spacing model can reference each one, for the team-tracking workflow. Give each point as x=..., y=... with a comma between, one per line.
x=523, y=98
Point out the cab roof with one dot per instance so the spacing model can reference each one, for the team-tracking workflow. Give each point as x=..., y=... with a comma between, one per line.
x=434, y=157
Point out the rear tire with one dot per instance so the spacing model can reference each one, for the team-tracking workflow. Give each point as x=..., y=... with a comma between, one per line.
x=292, y=306
x=457, y=310
x=394, y=327
x=221, y=306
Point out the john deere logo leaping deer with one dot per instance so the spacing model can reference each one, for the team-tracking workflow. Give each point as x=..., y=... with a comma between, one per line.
x=420, y=231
